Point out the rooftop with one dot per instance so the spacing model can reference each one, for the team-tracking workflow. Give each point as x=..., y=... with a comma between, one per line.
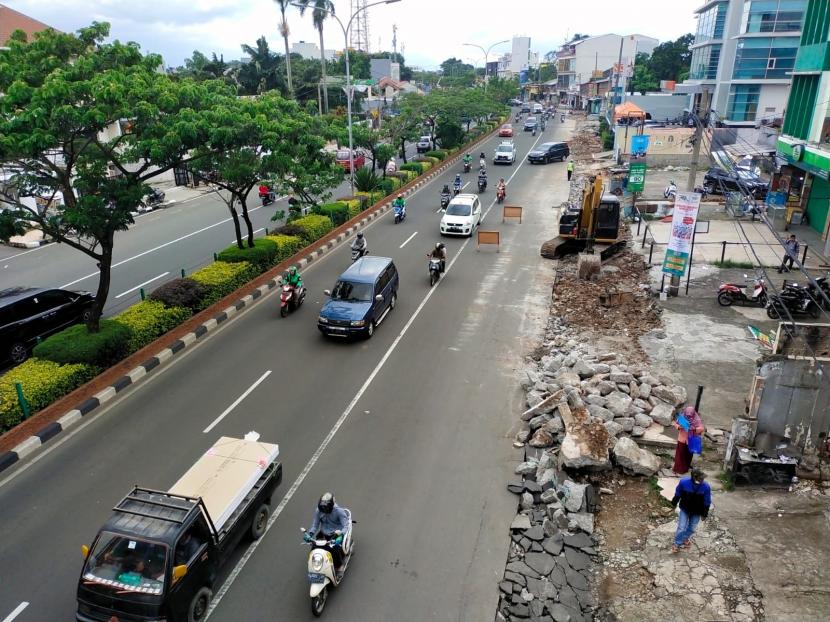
x=11, y=20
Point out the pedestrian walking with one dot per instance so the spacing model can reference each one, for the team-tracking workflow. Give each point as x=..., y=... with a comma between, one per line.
x=570, y=169
x=695, y=497
x=682, y=454
x=790, y=254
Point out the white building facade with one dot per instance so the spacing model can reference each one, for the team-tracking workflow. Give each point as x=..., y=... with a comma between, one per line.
x=310, y=50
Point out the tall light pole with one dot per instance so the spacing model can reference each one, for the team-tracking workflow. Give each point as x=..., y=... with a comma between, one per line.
x=346, y=30
x=486, y=57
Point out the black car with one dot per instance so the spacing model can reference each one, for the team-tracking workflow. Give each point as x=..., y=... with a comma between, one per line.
x=530, y=124
x=525, y=107
x=27, y=313
x=719, y=181
x=548, y=152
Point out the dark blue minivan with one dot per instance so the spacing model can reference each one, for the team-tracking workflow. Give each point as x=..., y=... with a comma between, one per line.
x=362, y=297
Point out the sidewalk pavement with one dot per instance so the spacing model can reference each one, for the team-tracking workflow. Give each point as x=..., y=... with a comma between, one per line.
x=30, y=239
x=709, y=247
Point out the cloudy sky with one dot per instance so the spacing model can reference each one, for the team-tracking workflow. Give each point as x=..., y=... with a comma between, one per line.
x=429, y=30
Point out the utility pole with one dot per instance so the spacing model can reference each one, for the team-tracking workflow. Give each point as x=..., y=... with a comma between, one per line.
x=619, y=73
x=704, y=108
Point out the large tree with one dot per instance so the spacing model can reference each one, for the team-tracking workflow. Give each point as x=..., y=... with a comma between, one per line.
x=669, y=60
x=320, y=11
x=84, y=125
x=284, y=32
x=643, y=79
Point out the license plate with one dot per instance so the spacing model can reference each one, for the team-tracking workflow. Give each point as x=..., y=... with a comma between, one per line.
x=315, y=577
x=339, y=328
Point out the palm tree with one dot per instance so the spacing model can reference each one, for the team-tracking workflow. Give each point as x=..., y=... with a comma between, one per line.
x=321, y=10
x=284, y=31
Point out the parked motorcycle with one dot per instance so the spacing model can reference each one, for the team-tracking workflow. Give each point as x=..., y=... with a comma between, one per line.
x=434, y=270
x=400, y=213
x=792, y=300
x=321, y=572
x=501, y=191
x=755, y=295
x=824, y=286
x=670, y=191
x=290, y=299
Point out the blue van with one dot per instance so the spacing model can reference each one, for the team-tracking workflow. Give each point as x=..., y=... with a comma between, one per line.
x=362, y=297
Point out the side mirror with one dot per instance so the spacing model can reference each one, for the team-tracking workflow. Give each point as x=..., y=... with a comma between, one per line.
x=746, y=276
x=379, y=298
x=85, y=550
x=327, y=292
x=302, y=529
x=179, y=572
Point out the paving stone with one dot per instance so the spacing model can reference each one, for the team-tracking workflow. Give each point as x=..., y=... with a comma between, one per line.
x=535, y=547
x=585, y=598
x=576, y=579
x=578, y=540
x=558, y=578
x=553, y=545
x=523, y=569
x=519, y=610
x=522, y=521
x=577, y=559
x=561, y=613
x=568, y=598
x=531, y=486
x=515, y=577
x=506, y=587
x=542, y=563
x=516, y=488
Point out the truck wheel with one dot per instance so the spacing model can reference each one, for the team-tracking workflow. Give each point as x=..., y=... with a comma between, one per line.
x=260, y=522
x=197, y=612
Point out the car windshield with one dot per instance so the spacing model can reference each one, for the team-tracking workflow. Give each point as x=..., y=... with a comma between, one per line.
x=546, y=146
x=352, y=292
x=505, y=148
x=343, y=154
x=459, y=209
x=531, y=120
x=425, y=139
x=127, y=564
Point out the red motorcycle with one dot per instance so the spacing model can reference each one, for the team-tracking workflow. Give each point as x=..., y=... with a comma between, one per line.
x=501, y=191
x=290, y=299
x=753, y=294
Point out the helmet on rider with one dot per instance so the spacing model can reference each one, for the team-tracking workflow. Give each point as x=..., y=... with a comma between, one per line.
x=439, y=245
x=360, y=235
x=292, y=270
x=326, y=503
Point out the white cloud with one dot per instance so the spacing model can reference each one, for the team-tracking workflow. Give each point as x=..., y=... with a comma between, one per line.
x=429, y=31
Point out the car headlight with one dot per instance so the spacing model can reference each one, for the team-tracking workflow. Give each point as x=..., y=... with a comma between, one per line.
x=358, y=323
x=322, y=320
x=317, y=560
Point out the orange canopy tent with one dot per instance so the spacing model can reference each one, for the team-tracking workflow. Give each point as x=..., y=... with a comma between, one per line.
x=628, y=110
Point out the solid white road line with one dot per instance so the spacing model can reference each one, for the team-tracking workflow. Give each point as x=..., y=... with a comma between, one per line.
x=338, y=424
x=17, y=611
x=130, y=291
x=245, y=236
x=236, y=403
x=407, y=239
x=465, y=185
x=31, y=250
x=156, y=248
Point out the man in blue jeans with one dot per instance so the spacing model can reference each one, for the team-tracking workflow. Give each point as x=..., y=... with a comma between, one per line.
x=695, y=497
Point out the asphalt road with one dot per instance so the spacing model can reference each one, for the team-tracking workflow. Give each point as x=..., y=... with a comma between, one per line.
x=154, y=250
x=410, y=429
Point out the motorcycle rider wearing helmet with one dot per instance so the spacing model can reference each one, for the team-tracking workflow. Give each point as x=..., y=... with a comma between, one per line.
x=294, y=278
x=359, y=243
x=439, y=252
x=445, y=194
x=457, y=184
x=482, y=178
x=330, y=522
x=468, y=159
x=501, y=186
x=400, y=202
x=482, y=160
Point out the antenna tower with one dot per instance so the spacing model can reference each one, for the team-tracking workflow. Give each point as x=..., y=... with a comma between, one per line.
x=395, y=42
x=360, y=28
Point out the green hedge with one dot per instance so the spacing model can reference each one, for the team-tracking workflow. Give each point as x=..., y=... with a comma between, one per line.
x=77, y=345
x=313, y=226
x=287, y=245
x=337, y=212
x=414, y=167
x=221, y=278
x=262, y=255
x=150, y=319
x=372, y=197
x=438, y=154
x=43, y=382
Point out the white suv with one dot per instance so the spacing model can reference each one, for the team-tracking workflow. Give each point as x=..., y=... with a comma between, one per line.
x=462, y=215
x=505, y=153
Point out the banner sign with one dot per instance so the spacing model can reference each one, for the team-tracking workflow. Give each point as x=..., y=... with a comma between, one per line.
x=639, y=145
x=637, y=177
x=686, y=206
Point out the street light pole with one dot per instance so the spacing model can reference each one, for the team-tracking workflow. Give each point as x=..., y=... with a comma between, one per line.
x=346, y=30
x=486, y=57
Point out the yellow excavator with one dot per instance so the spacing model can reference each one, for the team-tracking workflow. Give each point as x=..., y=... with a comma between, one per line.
x=592, y=227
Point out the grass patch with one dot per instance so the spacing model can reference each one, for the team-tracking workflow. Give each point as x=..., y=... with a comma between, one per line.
x=735, y=265
x=727, y=481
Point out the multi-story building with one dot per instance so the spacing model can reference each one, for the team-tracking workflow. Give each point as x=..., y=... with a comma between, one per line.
x=520, y=54
x=380, y=68
x=310, y=50
x=743, y=54
x=580, y=61
x=805, y=140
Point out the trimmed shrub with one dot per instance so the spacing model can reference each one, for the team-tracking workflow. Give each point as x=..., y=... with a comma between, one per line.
x=366, y=180
x=438, y=154
x=313, y=227
x=414, y=167
x=354, y=206
x=287, y=245
x=337, y=212
x=401, y=176
x=150, y=319
x=262, y=255
x=43, y=382
x=221, y=278
x=290, y=229
x=388, y=185
x=77, y=345
x=184, y=292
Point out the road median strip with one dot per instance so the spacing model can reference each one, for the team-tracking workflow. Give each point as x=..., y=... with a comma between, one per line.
x=72, y=408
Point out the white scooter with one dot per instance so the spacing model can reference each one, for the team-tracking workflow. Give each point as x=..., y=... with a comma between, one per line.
x=671, y=191
x=321, y=572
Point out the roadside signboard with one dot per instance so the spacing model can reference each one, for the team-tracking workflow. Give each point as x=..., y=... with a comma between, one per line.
x=637, y=177
x=684, y=220
x=639, y=146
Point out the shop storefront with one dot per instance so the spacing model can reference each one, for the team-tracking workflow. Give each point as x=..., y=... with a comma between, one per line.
x=804, y=180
